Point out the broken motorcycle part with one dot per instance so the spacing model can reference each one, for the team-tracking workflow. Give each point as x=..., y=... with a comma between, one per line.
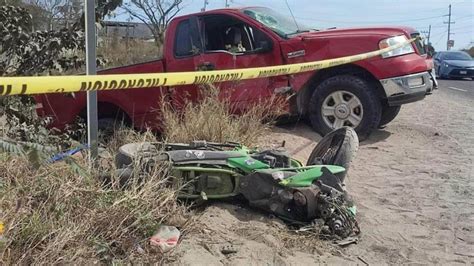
x=270, y=180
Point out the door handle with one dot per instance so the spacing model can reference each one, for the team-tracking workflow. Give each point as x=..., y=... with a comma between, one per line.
x=206, y=66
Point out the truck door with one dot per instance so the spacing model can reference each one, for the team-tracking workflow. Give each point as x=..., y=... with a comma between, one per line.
x=230, y=43
x=182, y=51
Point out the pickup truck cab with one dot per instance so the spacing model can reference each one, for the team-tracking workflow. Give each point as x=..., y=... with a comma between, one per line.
x=365, y=95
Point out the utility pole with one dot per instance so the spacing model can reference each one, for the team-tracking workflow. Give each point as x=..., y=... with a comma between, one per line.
x=427, y=34
x=226, y=3
x=91, y=42
x=448, y=45
x=206, y=2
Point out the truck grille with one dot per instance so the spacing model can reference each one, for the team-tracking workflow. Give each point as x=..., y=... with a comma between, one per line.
x=419, y=43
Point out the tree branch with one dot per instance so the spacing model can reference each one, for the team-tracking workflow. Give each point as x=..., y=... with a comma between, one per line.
x=156, y=14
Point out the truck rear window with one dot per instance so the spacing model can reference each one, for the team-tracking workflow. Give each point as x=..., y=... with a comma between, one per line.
x=186, y=42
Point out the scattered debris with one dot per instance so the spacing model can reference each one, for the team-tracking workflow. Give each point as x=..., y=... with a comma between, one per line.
x=347, y=241
x=226, y=250
x=140, y=250
x=166, y=238
x=63, y=155
x=363, y=261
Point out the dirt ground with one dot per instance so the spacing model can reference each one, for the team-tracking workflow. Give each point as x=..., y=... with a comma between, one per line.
x=413, y=184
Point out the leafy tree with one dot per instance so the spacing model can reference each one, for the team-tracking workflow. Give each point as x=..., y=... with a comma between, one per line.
x=470, y=51
x=156, y=14
x=24, y=52
x=47, y=9
x=69, y=12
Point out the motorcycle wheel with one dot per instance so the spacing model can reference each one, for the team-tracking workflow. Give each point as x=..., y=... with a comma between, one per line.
x=128, y=152
x=338, y=147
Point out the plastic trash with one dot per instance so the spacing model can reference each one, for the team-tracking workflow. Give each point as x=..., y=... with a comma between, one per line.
x=62, y=155
x=166, y=238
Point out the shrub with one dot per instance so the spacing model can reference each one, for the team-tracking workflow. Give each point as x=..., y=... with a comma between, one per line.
x=55, y=215
x=216, y=119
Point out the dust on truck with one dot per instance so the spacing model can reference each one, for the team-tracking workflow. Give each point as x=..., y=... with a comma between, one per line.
x=365, y=95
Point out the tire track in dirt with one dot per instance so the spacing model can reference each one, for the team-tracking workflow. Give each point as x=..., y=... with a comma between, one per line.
x=415, y=186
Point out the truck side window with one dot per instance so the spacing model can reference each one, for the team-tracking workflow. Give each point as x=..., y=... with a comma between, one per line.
x=187, y=41
x=226, y=33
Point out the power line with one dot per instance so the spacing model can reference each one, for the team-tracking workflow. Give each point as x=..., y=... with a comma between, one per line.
x=352, y=22
x=441, y=37
x=378, y=15
x=468, y=16
x=464, y=27
x=462, y=32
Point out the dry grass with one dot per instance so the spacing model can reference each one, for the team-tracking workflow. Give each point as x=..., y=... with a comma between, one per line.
x=56, y=214
x=53, y=215
x=213, y=119
x=119, y=52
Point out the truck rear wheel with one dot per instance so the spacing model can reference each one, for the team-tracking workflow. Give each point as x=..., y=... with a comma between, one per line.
x=109, y=126
x=345, y=101
x=388, y=114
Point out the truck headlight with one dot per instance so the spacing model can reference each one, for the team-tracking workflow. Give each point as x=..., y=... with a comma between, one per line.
x=406, y=49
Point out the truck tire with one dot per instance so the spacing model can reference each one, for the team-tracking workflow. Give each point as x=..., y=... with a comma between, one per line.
x=388, y=114
x=108, y=126
x=339, y=147
x=345, y=101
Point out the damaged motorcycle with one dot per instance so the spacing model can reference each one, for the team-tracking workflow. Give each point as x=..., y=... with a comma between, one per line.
x=268, y=180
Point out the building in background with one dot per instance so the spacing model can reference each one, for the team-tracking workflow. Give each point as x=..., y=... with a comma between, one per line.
x=126, y=31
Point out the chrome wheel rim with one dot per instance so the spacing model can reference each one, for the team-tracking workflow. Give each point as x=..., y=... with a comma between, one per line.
x=342, y=108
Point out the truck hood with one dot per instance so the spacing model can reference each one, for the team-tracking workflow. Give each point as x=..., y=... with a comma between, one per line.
x=460, y=63
x=367, y=31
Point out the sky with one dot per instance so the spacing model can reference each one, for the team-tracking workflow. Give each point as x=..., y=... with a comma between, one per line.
x=321, y=14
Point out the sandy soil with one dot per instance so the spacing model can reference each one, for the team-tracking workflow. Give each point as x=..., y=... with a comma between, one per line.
x=413, y=184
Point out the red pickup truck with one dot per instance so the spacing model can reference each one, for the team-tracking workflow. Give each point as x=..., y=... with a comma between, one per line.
x=365, y=95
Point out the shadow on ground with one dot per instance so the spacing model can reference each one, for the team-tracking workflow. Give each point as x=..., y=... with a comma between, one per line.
x=304, y=130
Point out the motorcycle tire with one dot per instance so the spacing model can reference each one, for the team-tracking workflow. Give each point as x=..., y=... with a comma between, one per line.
x=128, y=152
x=338, y=147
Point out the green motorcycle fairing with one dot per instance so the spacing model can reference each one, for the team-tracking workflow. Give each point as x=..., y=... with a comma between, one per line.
x=306, y=175
x=247, y=164
x=196, y=182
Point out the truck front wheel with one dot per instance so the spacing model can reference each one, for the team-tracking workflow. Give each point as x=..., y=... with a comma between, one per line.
x=345, y=101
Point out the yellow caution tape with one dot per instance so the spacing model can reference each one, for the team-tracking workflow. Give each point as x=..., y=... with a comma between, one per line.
x=59, y=84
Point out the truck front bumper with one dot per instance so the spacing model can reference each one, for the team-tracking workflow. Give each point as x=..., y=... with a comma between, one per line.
x=409, y=88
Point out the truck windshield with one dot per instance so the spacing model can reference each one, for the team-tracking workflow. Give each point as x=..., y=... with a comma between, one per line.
x=277, y=22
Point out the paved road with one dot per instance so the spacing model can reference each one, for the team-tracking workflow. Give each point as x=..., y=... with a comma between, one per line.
x=459, y=88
